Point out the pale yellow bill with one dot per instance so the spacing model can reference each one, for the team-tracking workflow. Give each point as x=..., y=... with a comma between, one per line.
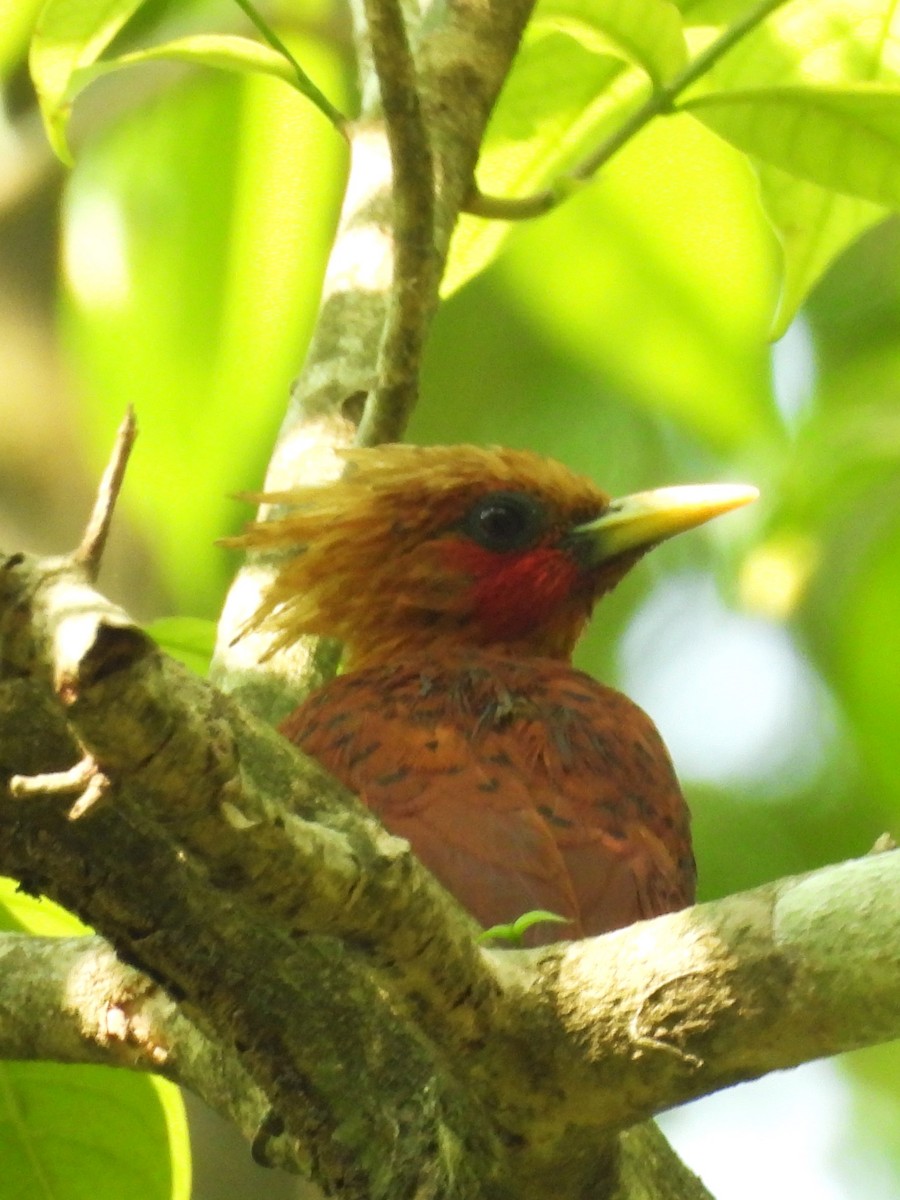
x=645, y=518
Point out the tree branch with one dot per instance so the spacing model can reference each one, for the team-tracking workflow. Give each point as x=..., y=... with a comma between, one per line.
x=256, y=868
x=689, y=1003
x=413, y=293
x=375, y=309
x=72, y=1000
x=286, y=922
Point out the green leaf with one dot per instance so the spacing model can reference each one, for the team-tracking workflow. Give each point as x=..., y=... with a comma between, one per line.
x=73, y=1132
x=813, y=226
x=825, y=53
x=194, y=239
x=813, y=89
x=662, y=283
x=647, y=33
x=16, y=21
x=559, y=100
x=189, y=639
x=73, y=34
x=226, y=52
x=516, y=930
x=846, y=138
x=21, y=913
x=70, y=35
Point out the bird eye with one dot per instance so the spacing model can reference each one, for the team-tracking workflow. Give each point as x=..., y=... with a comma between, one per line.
x=505, y=521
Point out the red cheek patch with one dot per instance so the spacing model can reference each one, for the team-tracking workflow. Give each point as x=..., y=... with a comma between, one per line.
x=513, y=593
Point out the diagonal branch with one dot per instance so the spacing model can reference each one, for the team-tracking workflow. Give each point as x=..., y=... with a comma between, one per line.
x=374, y=310
x=266, y=871
x=413, y=295
x=257, y=868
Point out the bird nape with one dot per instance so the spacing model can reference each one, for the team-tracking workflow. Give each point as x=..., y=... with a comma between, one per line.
x=459, y=579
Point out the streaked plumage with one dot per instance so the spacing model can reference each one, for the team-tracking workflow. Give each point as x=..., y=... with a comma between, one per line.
x=459, y=579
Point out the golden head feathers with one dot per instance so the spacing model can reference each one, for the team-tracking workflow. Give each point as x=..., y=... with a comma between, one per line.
x=363, y=559
x=447, y=547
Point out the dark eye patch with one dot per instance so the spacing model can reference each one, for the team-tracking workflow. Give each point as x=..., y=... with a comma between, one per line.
x=505, y=521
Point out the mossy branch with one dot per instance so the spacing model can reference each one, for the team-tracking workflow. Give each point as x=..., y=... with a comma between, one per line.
x=287, y=923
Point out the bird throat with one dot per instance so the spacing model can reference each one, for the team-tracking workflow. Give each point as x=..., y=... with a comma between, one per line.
x=520, y=598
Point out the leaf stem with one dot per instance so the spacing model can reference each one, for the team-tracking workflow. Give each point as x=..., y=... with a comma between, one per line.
x=304, y=83
x=661, y=100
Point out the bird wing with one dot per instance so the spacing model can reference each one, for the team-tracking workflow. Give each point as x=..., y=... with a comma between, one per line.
x=520, y=786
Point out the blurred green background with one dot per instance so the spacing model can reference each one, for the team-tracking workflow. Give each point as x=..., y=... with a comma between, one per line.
x=177, y=268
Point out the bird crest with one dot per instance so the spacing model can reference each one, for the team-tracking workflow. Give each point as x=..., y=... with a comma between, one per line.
x=383, y=555
x=457, y=547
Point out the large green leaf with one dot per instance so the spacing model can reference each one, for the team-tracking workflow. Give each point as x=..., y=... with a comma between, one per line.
x=814, y=94
x=559, y=100
x=812, y=90
x=72, y=35
x=662, y=282
x=841, y=137
x=79, y=1132
x=195, y=235
x=90, y=1133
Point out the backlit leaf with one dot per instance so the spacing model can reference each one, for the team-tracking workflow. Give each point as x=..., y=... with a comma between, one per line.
x=69, y=36
x=646, y=32
x=72, y=1132
x=843, y=138
x=814, y=225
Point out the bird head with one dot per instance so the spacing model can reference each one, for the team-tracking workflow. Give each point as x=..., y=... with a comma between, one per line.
x=453, y=547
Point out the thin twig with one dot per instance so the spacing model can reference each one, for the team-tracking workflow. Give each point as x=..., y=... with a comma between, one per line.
x=413, y=292
x=662, y=100
x=90, y=552
x=98, y=789
x=305, y=85
x=85, y=777
x=55, y=783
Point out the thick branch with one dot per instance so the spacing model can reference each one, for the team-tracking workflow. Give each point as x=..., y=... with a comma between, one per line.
x=684, y=1005
x=231, y=790
x=72, y=1000
x=241, y=874
x=285, y=921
